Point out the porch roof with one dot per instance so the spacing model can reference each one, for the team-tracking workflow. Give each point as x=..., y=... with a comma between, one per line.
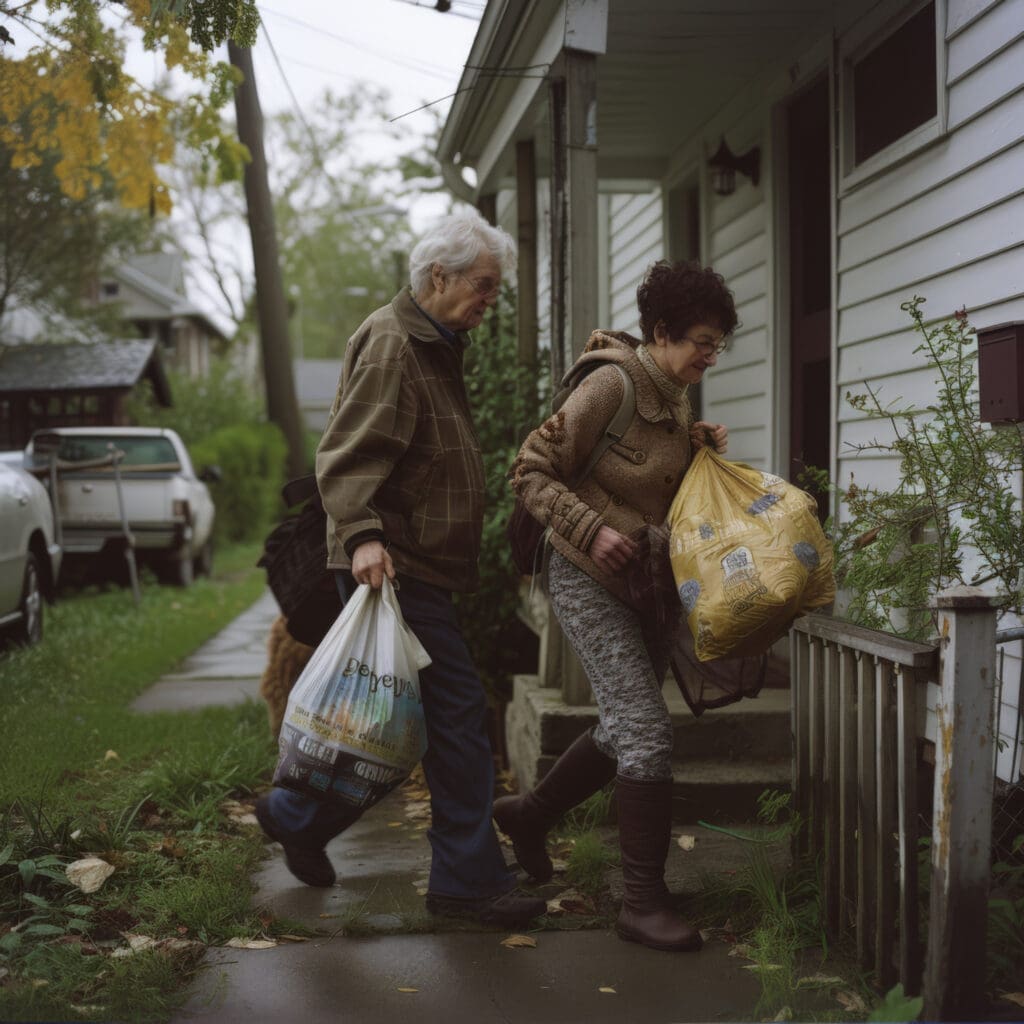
x=665, y=68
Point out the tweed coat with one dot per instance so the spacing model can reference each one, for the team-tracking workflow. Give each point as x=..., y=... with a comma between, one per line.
x=400, y=460
x=633, y=483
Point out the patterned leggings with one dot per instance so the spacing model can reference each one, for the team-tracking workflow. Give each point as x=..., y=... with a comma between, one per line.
x=625, y=664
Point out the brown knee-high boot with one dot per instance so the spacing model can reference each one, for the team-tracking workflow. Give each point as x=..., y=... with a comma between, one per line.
x=581, y=770
x=645, y=831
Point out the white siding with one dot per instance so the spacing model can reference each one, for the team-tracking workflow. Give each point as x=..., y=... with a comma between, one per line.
x=635, y=241
x=947, y=224
x=737, y=391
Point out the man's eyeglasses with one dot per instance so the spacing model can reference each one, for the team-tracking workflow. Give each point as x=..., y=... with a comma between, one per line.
x=487, y=288
x=708, y=348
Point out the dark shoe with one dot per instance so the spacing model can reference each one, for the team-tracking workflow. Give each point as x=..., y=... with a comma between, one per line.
x=308, y=863
x=581, y=770
x=645, y=831
x=508, y=909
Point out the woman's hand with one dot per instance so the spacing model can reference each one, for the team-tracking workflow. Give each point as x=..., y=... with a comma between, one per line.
x=610, y=550
x=371, y=563
x=719, y=435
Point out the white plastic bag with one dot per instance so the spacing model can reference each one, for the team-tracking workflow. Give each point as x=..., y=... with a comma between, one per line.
x=354, y=726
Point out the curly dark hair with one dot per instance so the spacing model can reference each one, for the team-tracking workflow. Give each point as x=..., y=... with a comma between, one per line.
x=682, y=294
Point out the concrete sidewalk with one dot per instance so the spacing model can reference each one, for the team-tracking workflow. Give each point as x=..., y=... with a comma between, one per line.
x=376, y=940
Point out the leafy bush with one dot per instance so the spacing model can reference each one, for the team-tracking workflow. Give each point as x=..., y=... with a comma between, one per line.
x=201, y=406
x=506, y=405
x=251, y=458
x=901, y=545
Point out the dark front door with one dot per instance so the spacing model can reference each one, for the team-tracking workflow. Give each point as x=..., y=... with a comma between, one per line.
x=810, y=272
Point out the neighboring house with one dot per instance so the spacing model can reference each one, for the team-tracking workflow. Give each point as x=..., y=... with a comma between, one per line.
x=884, y=157
x=74, y=385
x=316, y=382
x=151, y=292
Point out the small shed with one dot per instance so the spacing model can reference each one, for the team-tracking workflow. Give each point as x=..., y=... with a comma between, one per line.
x=76, y=384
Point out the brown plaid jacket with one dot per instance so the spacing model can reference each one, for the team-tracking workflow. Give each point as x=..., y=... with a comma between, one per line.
x=400, y=454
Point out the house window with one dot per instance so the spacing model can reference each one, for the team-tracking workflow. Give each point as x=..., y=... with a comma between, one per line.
x=110, y=289
x=894, y=86
x=892, y=95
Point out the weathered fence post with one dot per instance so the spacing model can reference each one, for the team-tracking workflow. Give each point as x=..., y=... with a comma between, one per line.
x=962, y=823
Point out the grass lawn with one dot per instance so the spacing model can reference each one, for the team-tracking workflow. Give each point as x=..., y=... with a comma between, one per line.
x=82, y=775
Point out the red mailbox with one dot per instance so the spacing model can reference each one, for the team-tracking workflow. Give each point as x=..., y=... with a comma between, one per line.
x=1001, y=373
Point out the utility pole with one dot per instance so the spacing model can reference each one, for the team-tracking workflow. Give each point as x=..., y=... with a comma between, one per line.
x=271, y=307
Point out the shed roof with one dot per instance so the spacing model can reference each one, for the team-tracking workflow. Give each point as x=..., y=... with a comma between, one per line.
x=99, y=366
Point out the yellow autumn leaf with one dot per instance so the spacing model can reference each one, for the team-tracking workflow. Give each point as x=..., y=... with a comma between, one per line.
x=608, y=990
x=402, y=989
x=519, y=942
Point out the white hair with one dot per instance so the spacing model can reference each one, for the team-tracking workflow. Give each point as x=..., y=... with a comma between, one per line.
x=456, y=242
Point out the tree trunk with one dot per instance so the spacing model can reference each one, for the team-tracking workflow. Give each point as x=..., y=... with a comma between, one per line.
x=272, y=310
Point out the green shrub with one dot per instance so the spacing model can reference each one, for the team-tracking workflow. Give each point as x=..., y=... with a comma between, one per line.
x=251, y=458
x=201, y=406
x=503, y=412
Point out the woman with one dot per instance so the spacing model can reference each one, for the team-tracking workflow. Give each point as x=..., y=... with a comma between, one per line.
x=686, y=315
x=401, y=477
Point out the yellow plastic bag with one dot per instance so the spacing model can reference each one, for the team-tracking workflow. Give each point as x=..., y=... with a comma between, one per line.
x=748, y=556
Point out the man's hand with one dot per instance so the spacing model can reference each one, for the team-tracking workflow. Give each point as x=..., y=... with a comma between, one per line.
x=371, y=563
x=719, y=435
x=610, y=550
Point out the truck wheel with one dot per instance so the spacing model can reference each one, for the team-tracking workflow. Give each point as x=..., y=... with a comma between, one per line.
x=203, y=563
x=30, y=629
x=177, y=570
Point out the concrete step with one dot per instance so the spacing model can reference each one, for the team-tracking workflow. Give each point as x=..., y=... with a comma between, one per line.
x=723, y=760
x=723, y=792
x=758, y=727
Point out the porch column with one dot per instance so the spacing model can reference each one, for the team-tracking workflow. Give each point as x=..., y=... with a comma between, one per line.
x=526, y=282
x=574, y=263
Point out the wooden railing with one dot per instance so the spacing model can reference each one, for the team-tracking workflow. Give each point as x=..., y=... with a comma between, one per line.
x=858, y=715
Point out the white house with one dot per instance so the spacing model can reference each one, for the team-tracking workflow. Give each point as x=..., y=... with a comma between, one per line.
x=883, y=157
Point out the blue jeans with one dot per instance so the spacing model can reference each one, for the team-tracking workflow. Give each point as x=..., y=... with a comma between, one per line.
x=466, y=858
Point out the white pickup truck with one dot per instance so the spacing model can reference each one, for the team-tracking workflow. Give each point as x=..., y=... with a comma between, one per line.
x=167, y=506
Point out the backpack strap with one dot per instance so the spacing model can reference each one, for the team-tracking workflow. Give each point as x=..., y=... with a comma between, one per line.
x=617, y=426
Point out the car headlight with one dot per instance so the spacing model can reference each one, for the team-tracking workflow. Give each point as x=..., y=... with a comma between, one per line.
x=180, y=510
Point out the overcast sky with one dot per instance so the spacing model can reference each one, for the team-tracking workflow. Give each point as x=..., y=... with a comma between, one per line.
x=413, y=51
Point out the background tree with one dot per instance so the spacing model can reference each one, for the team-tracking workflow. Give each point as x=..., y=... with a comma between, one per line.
x=67, y=98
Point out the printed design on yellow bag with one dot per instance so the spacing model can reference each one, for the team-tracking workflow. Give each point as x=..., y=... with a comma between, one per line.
x=748, y=555
x=741, y=580
x=354, y=726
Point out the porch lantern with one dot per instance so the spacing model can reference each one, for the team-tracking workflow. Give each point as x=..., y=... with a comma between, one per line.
x=724, y=165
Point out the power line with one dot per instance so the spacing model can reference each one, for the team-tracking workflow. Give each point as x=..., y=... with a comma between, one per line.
x=423, y=67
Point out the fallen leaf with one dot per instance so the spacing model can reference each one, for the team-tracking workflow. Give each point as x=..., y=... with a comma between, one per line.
x=111, y=755
x=851, y=1001
x=687, y=842
x=293, y=938
x=76, y=834
x=39, y=982
x=559, y=864
x=762, y=967
x=1013, y=997
x=740, y=949
x=140, y=942
x=818, y=981
x=571, y=902
x=251, y=943
x=421, y=890
x=327, y=917
x=170, y=847
x=608, y=990
x=408, y=990
x=89, y=874
x=785, y=1013
x=519, y=942
x=395, y=824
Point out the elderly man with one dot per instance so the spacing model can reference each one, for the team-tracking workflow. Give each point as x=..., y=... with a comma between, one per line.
x=401, y=477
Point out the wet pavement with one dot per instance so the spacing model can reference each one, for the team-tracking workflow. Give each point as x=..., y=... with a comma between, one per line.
x=377, y=956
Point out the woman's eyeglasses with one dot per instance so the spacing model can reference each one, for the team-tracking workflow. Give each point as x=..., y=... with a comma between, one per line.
x=708, y=348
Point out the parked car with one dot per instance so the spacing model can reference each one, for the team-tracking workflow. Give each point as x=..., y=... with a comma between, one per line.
x=167, y=506
x=29, y=555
